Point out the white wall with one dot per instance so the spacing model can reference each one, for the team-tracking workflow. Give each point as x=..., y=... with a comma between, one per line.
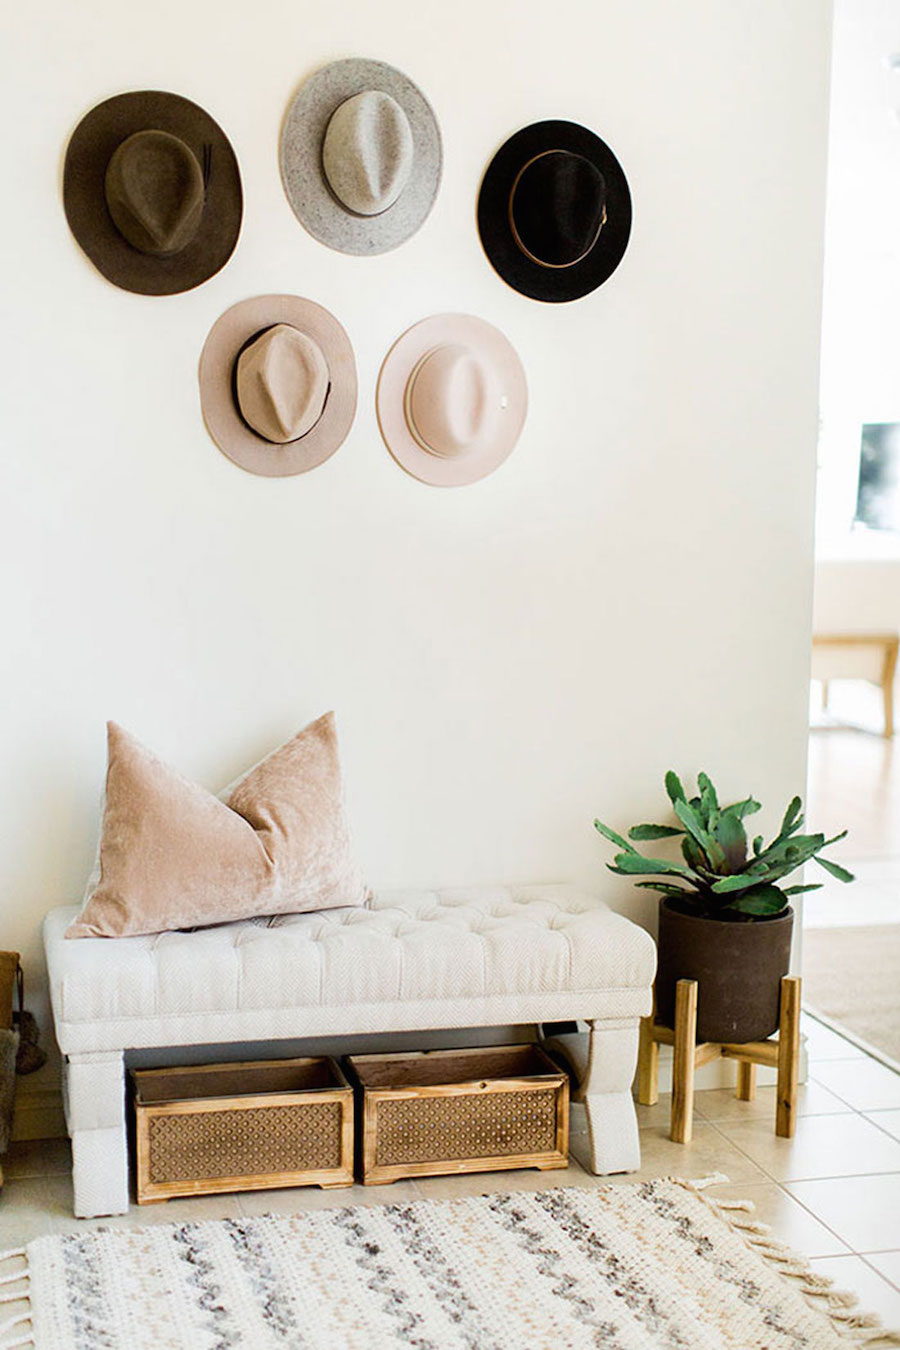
x=630, y=592
x=860, y=333
x=857, y=584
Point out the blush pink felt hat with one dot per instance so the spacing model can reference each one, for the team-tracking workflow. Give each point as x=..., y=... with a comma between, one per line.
x=451, y=399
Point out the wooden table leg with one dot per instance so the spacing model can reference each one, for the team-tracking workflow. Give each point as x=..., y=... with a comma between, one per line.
x=648, y=1065
x=788, y=1057
x=683, y=1061
x=746, y=1081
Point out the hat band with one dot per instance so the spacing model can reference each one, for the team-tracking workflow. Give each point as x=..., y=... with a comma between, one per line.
x=407, y=407
x=552, y=267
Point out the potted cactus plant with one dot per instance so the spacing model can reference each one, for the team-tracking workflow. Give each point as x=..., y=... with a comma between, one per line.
x=724, y=918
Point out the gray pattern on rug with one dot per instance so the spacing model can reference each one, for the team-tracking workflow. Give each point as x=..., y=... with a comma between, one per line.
x=635, y=1293
x=440, y=1277
x=649, y=1266
x=256, y=1258
x=750, y=1292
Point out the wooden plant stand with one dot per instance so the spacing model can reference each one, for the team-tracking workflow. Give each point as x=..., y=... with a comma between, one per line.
x=782, y=1054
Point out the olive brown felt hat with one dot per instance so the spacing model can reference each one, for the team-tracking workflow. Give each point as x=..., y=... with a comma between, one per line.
x=152, y=192
x=360, y=156
x=451, y=399
x=554, y=211
x=278, y=384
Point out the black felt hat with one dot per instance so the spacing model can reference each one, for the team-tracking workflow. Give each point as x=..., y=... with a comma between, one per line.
x=554, y=211
x=152, y=192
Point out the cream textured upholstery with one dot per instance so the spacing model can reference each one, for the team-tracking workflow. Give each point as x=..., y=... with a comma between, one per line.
x=413, y=960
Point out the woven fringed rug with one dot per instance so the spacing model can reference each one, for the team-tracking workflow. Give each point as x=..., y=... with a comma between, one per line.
x=653, y=1264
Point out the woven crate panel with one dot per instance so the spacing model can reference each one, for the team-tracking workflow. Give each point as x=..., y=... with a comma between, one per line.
x=253, y=1142
x=489, y=1125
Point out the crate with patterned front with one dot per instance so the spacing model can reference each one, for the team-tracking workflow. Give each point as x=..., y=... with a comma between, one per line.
x=442, y=1111
x=242, y=1127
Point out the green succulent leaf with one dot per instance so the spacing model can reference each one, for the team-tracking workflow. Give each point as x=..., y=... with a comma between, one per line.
x=613, y=837
x=791, y=853
x=748, y=807
x=635, y=864
x=757, y=845
x=798, y=890
x=691, y=853
x=674, y=788
x=709, y=801
x=741, y=881
x=835, y=870
x=731, y=836
x=791, y=817
x=653, y=831
x=761, y=900
x=691, y=820
x=665, y=888
x=834, y=838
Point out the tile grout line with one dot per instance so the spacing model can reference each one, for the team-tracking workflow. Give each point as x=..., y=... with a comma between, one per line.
x=868, y=1117
x=863, y=1256
x=797, y=1201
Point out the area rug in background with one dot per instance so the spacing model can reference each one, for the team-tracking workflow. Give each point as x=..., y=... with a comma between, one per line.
x=852, y=975
x=653, y=1264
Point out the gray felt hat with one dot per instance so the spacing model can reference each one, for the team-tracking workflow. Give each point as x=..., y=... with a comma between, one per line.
x=360, y=156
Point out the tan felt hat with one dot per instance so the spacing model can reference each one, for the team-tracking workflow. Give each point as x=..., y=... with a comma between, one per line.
x=278, y=384
x=152, y=192
x=451, y=399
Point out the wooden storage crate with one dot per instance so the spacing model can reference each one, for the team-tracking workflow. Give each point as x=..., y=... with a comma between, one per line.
x=446, y=1111
x=242, y=1127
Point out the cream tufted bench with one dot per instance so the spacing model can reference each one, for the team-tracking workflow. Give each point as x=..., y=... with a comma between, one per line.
x=411, y=961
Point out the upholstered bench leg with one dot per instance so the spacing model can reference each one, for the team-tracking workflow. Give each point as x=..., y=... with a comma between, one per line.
x=606, y=1093
x=95, y=1111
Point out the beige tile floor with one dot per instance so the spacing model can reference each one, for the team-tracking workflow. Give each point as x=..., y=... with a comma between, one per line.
x=832, y=1193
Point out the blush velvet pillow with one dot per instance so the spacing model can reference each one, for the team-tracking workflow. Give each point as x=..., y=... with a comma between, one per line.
x=174, y=856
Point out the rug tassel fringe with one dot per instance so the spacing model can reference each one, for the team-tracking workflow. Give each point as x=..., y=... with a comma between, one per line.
x=14, y=1322
x=714, y=1179
x=840, y=1304
x=13, y=1277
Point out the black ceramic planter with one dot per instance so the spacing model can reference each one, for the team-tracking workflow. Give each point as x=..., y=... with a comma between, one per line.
x=738, y=968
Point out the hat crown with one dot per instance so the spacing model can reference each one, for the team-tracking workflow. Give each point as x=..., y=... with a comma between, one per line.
x=155, y=192
x=557, y=208
x=453, y=400
x=367, y=152
x=281, y=384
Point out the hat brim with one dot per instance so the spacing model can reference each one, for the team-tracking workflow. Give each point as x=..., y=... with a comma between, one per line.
x=402, y=359
x=227, y=337
x=552, y=284
x=88, y=153
x=312, y=200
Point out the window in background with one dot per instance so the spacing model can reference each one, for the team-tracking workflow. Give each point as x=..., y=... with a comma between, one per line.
x=878, y=493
